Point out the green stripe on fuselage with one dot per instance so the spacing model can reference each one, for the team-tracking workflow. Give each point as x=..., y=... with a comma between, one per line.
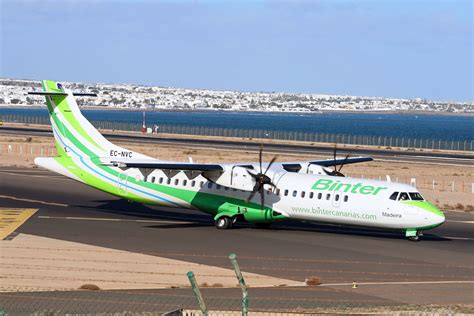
x=63, y=106
x=207, y=202
x=426, y=206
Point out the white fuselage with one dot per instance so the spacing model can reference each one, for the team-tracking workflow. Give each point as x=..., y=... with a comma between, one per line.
x=351, y=201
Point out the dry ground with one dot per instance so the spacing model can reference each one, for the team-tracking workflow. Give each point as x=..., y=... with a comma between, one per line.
x=34, y=263
x=449, y=186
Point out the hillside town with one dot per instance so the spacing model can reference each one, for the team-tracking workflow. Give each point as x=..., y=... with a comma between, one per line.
x=130, y=96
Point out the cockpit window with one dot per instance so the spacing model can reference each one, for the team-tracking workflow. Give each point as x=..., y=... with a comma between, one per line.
x=415, y=196
x=403, y=197
x=394, y=196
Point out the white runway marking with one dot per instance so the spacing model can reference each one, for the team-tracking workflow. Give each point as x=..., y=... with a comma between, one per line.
x=114, y=219
x=458, y=238
x=34, y=176
x=26, y=169
x=463, y=222
x=32, y=201
x=193, y=221
x=401, y=283
x=456, y=211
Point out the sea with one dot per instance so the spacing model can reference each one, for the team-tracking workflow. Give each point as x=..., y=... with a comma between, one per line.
x=449, y=127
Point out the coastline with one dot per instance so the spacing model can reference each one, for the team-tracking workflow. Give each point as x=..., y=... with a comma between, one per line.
x=321, y=112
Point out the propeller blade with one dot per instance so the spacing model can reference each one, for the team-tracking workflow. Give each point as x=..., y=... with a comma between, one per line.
x=260, y=157
x=251, y=195
x=252, y=173
x=334, y=156
x=262, y=197
x=270, y=164
x=343, y=162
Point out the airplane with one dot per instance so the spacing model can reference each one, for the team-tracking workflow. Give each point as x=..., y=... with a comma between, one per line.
x=255, y=192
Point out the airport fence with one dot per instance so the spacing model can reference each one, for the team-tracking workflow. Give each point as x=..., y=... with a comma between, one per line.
x=362, y=140
x=21, y=153
x=191, y=300
x=166, y=299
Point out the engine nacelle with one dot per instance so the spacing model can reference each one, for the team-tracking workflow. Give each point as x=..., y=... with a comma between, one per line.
x=316, y=169
x=235, y=177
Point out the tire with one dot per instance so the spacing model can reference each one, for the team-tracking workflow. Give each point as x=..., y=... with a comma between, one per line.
x=417, y=237
x=223, y=222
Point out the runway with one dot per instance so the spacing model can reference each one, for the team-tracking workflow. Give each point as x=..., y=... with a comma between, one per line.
x=388, y=269
x=465, y=159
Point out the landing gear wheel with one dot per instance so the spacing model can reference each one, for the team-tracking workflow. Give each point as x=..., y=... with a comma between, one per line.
x=416, y=237
x=223, y=222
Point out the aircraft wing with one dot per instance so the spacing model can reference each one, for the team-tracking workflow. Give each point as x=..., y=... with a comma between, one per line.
x=204, y=167
x=153, y=164
x=338, y=162
x=297, y=165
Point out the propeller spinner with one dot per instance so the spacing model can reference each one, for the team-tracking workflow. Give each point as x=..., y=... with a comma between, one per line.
x=261, y=179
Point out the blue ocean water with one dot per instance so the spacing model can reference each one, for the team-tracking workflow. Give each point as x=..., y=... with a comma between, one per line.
x=423, y=126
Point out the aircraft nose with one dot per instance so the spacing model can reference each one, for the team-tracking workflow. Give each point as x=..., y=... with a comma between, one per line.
x=437, y=216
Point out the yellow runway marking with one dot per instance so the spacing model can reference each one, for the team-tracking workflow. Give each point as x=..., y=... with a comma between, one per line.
x=11, y=219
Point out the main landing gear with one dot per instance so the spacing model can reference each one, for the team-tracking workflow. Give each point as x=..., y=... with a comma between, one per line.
x=225, y=222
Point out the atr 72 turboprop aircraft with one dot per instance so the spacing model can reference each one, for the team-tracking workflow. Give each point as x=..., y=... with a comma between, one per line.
x=259, y=193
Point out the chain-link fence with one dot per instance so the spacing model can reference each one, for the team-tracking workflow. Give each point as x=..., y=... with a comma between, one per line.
x=235, y=298
x=11, y=153
x=197, y=299
x=368, y=140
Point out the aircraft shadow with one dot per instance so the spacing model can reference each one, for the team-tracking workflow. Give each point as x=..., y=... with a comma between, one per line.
x=125, y=208
x=122, y=207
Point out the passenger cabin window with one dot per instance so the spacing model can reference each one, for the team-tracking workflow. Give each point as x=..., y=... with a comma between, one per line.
x=415, y=196
x=302, y=194
x=277, y=191
x=336, y=197
x=295, y=193
x=185, y=182
x=311, y=195
x=153, y=179
x=201, y=184
x=346, y=198
x=176, y=181
x=160, y=180
x=394, y=196
x=320, y=196
x=403, y=197
x=168, y=181
x=328, y=196
x=209, y=185
x=218, y=187
x=286, y=192
x=193, y=183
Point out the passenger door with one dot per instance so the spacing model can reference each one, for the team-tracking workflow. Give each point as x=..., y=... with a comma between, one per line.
x=122, y=184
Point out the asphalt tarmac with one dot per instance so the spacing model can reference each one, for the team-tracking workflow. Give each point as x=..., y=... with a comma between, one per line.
x=388, y=269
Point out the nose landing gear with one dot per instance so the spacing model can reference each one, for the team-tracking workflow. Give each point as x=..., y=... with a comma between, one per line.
x=413, y=234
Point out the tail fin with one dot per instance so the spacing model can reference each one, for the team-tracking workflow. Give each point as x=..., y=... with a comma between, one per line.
x=73, y=133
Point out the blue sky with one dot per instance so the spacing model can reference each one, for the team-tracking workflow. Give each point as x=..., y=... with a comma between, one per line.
x=399, y=48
